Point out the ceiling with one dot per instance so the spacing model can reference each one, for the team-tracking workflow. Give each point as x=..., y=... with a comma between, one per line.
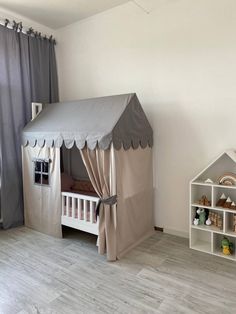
x=58, y=13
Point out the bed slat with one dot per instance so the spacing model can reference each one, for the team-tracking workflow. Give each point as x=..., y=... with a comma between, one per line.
x=73, y=208
x=85, y=210
x=67, y=206
x=91, y=211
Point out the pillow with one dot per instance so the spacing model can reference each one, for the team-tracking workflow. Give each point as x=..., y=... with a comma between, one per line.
x=83, y=186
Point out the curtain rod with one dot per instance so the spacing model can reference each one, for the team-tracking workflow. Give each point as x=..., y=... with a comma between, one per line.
x=18, y=27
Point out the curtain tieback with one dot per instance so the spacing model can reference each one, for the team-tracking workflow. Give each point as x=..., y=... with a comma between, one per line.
x=111, y=200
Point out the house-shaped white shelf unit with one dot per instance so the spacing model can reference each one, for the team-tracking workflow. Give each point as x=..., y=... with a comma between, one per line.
x=206, y=238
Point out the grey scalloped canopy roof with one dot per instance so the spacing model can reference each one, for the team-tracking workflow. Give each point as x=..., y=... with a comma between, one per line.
x=98, y=121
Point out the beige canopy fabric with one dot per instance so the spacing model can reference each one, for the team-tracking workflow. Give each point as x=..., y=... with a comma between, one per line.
x=99, y=164
x=129, y=174
x=135, y=197
x=42, y=204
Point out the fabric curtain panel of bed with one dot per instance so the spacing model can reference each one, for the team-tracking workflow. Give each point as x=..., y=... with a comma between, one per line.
x=42, y=203
x=127, y=173
x=100, y=165
x=27, y=73
x=134, y=184
x=115, y=140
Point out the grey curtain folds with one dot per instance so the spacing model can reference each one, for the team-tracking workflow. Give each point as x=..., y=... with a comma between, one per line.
x=27, y=74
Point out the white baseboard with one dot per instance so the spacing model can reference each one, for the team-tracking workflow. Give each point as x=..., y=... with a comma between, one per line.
x=178, y=233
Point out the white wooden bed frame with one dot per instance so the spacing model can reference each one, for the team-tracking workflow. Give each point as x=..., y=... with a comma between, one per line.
x=78, y=212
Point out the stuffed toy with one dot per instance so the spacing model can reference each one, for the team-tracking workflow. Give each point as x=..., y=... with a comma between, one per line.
x=227, y=246
x=202, y=215
x=208, y=221
x=196, y=221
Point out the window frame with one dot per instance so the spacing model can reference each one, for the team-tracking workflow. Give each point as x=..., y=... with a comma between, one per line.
x=41, y=173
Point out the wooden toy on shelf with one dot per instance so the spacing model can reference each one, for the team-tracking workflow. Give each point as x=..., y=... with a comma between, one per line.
x=208, y=181
x=228, y=179
x=233, y=206
x=228, y=203
x=221, y=201
x=225, y=202
x=204, y=201
x=220, y=222
x=216, y=220
x=234, y=223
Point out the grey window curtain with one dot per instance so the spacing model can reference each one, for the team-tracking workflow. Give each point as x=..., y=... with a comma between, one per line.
x=27, y=74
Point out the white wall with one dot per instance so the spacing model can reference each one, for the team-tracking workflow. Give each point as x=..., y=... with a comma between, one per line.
x=181, y=61
x=6, y=14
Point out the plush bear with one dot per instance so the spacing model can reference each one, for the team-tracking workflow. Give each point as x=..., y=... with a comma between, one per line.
x=202, y=215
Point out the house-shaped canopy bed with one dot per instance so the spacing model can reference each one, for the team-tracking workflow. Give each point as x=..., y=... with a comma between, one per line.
x=114, y=139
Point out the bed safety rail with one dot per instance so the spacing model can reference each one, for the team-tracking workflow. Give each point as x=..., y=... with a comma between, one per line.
x=79, y=212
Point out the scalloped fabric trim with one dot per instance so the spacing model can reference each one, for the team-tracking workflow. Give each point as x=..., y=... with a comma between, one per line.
x=80, y=144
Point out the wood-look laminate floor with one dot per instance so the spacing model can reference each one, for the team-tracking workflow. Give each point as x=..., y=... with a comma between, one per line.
x=41, y=274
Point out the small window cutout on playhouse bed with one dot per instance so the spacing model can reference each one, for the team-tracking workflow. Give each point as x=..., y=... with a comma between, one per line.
x=41, y=171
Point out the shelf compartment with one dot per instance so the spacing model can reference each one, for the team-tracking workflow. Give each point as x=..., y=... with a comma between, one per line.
x=217, y=250
x=212, y=227
x=201, y=240
x=214, y=184
x=197, y=191
x=208, y=228
x=230, y=221
x=218, y=191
